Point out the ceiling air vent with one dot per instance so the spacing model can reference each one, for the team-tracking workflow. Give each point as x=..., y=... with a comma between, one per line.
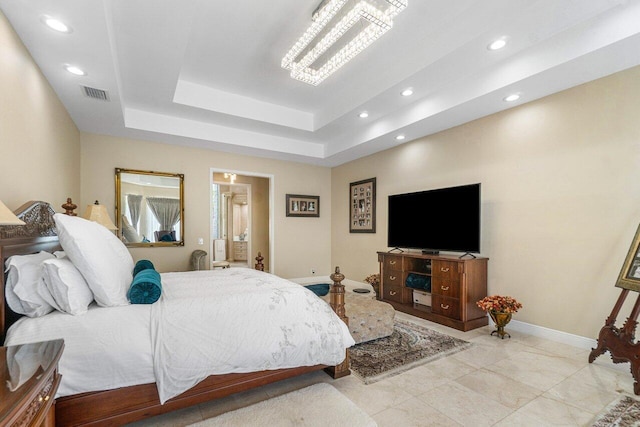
x=94, y=93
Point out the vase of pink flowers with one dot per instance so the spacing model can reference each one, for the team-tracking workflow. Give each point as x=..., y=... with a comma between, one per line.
x=500, y=308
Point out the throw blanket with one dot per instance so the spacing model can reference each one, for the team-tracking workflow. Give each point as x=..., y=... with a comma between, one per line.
x=260, y=322
x=146, y=286
x=418, y=281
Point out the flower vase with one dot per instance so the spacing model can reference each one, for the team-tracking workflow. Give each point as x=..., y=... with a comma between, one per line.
x=500, y=319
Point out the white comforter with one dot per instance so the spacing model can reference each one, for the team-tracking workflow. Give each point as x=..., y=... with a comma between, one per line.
x=205, y=323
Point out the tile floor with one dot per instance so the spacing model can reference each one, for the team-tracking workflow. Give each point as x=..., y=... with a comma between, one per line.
x=522, y=381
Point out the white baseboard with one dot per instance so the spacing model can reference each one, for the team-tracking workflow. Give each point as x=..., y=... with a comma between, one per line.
x=569, y=339
x=553, y=335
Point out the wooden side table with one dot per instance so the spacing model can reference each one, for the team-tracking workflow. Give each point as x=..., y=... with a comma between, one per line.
x=29, y=380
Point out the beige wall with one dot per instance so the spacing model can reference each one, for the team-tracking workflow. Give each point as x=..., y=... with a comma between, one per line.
x=39, y=143
x=300, y=243
x=560, y=198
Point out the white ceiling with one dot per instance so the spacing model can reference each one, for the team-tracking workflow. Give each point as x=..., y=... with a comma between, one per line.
x=207, y=73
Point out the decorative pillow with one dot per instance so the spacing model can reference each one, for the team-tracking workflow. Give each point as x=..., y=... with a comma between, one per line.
x=321, y=289
x=146, y=287
x=143, y=264
x=102, y=259
x=25, y=285
x=66, y=285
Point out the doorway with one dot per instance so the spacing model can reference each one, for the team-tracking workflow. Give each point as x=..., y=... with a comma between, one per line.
x=241, y=218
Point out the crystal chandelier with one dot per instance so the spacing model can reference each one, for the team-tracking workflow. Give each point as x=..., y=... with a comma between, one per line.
x=331, y=21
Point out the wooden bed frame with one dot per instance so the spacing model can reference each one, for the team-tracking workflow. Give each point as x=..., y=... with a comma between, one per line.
x=128, y=404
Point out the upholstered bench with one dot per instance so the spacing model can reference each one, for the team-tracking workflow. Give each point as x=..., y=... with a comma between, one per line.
x=369, y=319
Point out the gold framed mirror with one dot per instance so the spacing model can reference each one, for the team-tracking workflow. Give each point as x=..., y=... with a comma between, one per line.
x=629, y=277
x=149, y=208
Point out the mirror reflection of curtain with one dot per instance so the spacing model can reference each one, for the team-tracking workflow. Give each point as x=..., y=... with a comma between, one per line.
x=134, y=201
x=166, y=211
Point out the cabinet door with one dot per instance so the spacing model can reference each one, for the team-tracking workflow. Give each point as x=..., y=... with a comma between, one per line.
x=447, y=270
x=393, y=278
x=393, y=262
x=446, y=279
x=444, y=306
x=240, y=251
x=393, y=293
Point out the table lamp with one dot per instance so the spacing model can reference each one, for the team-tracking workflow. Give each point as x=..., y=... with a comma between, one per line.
x=98, y=213
x=7, y=217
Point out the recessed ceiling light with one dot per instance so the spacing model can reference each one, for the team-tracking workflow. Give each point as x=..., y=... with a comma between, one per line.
x=497, y=44
x=407, y=92
x=363, y=115
x=75, y=70
x=400, y=137
x=56, y=24
x=513, y=97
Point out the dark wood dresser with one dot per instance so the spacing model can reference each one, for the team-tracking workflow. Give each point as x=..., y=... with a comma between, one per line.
x=455, y=286
x=29, y=380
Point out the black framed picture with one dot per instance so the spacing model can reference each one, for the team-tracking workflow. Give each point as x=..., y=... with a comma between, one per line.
x=301, y=206
x=362, y=206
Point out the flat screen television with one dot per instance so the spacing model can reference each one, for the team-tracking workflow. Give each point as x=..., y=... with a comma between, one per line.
x=445, y=219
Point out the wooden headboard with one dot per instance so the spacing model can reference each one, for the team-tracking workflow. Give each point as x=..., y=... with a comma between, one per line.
x=38, y=234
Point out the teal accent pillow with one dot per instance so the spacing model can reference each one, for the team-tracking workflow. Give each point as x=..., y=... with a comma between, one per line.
x=143, y=264
x=320, y=289
x=146, y=287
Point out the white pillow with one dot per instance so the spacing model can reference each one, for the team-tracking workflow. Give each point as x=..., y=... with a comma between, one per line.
x=64, y=282
x=25, y=285
x=59, y=254
x=103, y=260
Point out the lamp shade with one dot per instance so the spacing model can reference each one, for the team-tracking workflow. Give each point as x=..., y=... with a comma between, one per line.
x=7, y=217
x=98, y=213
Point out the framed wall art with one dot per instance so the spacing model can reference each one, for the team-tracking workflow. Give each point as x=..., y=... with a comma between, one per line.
x=362, y=206
x=629, y=277
x=299, y=205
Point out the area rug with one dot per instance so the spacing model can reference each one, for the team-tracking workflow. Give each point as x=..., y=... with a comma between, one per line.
x=622, y=412
x=410, y=345
x=318, y=405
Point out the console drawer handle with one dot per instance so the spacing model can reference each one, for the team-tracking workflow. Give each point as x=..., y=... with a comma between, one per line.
x=392, y=277
x=444, y=307
x=392, y=262
x=444, y=269
x=444, y=288
x=392, y=293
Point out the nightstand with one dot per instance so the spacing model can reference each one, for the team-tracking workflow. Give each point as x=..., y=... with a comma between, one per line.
x=29, y=380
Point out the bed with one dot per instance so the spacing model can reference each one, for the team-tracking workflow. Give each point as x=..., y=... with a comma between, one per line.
x=116, y=406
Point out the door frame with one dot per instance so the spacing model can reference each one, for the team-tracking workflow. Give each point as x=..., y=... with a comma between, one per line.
x=271, y=179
